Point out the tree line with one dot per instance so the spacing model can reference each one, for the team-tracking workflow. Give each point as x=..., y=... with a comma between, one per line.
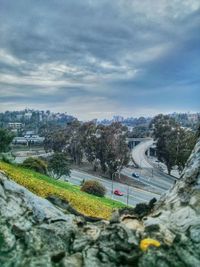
x=104, y=147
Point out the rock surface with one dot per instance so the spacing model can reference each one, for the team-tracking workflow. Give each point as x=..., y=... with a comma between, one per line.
x=34, y=232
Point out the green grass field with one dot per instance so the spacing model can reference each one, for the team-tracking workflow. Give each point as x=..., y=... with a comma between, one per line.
x=44, y=186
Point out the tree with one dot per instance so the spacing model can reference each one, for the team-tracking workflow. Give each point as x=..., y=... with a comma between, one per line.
x=112, y=150
x=89, y=142
x=174, y=144
x=5, y=139
x=198, y=132
x=59, y=165
x=139, y=132
x=103, y=146
x=73, y=143
x=185, y=143
x=65, y=139
x=55, y=139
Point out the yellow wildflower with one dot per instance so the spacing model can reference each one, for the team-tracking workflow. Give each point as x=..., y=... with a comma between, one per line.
x=145, y=243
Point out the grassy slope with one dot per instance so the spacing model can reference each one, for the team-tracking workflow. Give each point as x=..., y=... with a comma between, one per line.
x=43, y=186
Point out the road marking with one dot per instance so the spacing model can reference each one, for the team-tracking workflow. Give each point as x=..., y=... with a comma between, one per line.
x=116, y=183
x=130, y=195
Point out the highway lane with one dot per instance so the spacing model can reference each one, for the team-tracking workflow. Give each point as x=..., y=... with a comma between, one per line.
x=133, y=197
x=133, y=194
x=140, y=158
x=151, y=176
x=152, y=182
x=138, y=154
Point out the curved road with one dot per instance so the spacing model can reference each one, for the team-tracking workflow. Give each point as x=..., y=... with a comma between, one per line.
x=151, y=176
x=138, y=154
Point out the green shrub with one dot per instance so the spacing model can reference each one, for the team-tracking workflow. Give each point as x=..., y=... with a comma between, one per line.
x=94, y=187
x=142, y=209
x=6, y=159
x=35, y=164
x=58, y=165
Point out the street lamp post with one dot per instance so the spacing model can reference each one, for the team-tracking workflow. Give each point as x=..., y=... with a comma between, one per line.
x=112, y=186
x=113, y=179
x=127, y=201
x=112, y=182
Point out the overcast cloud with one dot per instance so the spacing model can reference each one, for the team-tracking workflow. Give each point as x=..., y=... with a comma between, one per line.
x=98, y=58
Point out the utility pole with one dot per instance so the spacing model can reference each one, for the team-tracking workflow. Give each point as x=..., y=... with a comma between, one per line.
x=127, y=201
x=112, y=183
x=113, y=180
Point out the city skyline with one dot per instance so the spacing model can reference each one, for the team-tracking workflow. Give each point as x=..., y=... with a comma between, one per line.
x=28, y=113
x=97, y=59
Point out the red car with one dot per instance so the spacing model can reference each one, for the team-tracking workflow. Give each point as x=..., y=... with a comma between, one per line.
x=118, y=192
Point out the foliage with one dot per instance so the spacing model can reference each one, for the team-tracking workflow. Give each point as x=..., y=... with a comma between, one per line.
x=45, y=186
x=198, y=132
x=139, y=132
x=106, y=146
x=66, y=139
x=89, y=142
x=185, y=143
x=174, y=144
x=152, y=203
x=58, y=165
x=118, y=154
x=6, y=158
x=142, y=209
x=35, y=164
x=103, y=146
x=5, y=139
x=93, y=187
x=184, y=120
x=38, y=121
x=55, y=139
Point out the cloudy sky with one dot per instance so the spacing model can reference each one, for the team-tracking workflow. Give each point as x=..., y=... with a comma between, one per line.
x=99, y=58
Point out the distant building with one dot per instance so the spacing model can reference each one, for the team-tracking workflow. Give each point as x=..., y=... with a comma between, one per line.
x=15, y=125
x=29, y=134
x=36, y=139
x=27, y=139
x=20, y=141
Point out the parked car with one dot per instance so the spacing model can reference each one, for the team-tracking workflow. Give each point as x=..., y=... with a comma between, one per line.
x=136, y=175
x=118, y=192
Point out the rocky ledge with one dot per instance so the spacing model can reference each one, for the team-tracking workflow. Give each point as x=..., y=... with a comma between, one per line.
x=37, y=232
